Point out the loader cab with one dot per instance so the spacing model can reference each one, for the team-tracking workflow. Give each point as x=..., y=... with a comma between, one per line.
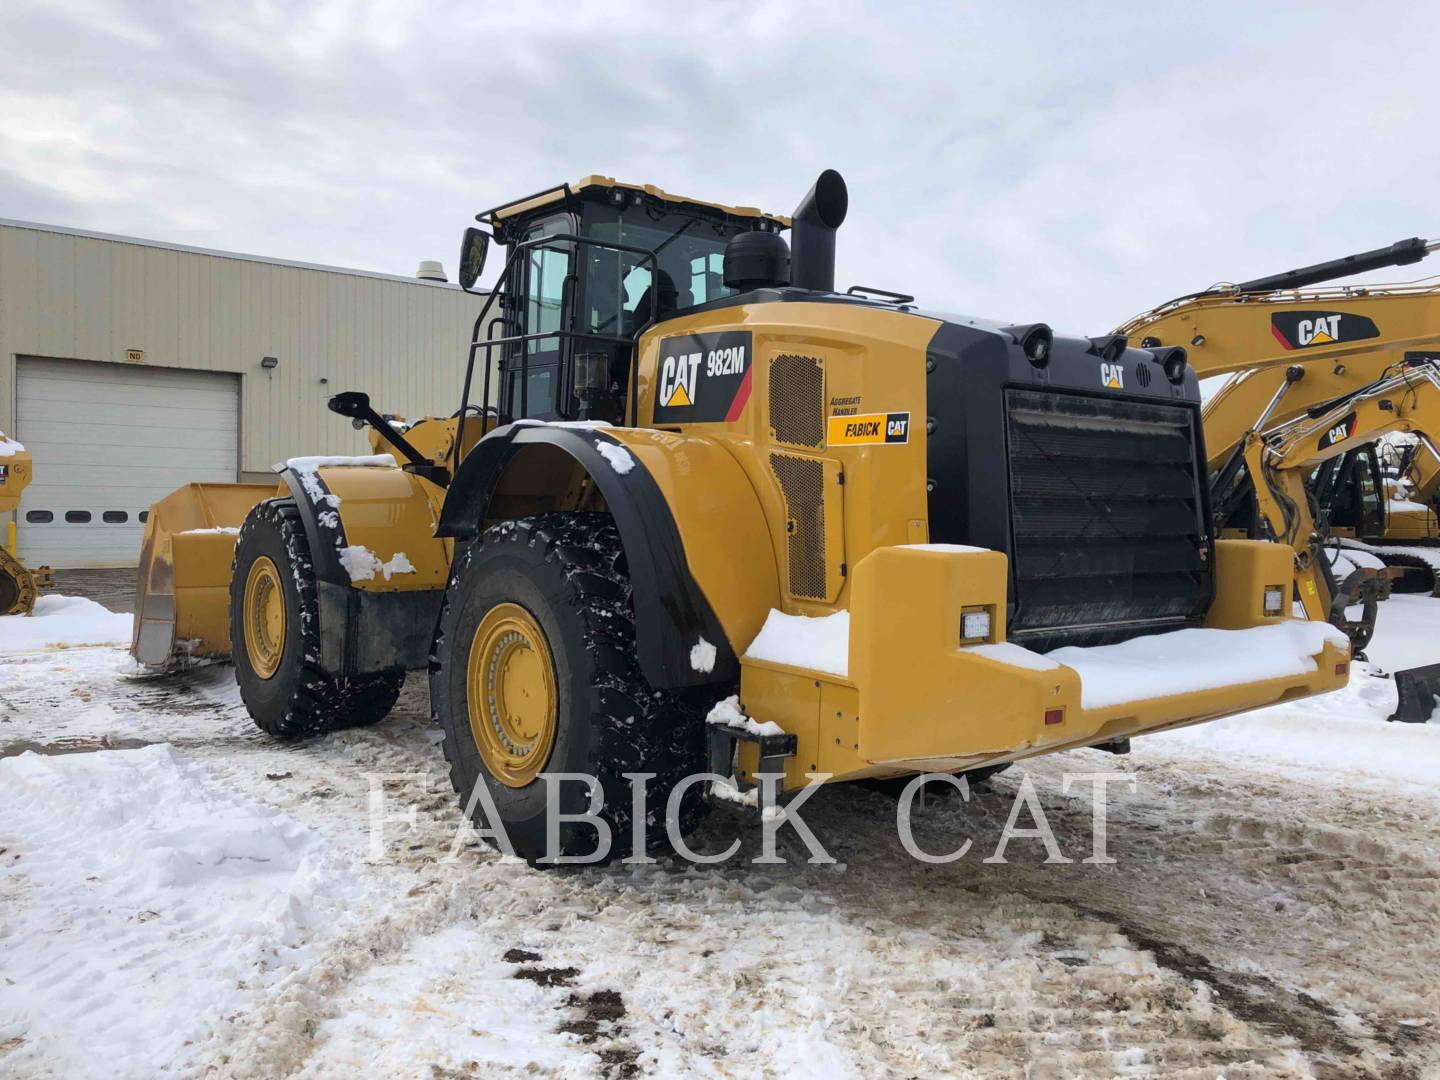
x=591, y=267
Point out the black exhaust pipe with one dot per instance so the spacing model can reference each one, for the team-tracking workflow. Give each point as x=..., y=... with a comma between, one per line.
x=812, y=233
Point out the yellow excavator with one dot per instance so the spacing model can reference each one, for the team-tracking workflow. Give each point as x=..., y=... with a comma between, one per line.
x=19, y=586
x=724, y=522
x=1318, y=378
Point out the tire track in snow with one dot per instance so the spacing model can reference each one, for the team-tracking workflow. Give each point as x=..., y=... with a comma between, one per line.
x=892, y=967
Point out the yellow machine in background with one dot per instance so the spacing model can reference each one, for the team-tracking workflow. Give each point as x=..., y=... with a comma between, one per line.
x=716, y=490
x=1318, y=377
x=18, y=585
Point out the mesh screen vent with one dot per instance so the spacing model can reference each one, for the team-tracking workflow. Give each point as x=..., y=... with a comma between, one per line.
x=797, y=401
x=802, y=482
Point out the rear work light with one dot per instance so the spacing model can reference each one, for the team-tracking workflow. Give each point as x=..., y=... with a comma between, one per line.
x=1274, y=599
x=975, y=625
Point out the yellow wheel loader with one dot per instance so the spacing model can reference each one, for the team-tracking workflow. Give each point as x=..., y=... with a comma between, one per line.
x=19, y=586
x=720, y=517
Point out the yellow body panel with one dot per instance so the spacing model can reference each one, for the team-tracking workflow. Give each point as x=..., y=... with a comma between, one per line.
x=873, y=361
x=19, y=470
x=1404, y=525
x=1247, y=568
x=727, y=542
x=390, y=512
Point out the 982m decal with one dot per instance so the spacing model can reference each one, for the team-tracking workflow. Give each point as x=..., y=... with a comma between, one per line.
x=703, y=378
x=1311, y=329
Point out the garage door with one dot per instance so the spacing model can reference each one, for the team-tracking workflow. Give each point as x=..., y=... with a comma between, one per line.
x=107, y=441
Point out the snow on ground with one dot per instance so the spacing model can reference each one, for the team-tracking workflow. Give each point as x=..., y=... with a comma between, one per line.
x=62, y=621
x=1254, y=922
x=145, y=902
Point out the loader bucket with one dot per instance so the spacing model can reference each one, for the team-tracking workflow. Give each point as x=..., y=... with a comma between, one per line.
x=1419, y=692
x=182, y=593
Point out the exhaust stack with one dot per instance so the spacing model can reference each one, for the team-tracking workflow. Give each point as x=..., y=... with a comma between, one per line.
x=812, y=233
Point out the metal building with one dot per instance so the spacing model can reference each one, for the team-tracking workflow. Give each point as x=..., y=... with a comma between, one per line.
x=129, y=367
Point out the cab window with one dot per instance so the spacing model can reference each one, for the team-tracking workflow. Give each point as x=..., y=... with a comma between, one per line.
x=619, y=292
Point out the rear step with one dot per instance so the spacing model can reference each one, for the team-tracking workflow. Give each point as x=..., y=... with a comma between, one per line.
x=1419, y=690
x=724, y=744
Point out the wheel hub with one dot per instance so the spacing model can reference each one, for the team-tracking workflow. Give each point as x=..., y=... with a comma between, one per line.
x=510, y=693
x=264, y=617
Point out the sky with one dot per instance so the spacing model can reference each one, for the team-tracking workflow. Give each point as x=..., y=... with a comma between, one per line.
x=1071, y=163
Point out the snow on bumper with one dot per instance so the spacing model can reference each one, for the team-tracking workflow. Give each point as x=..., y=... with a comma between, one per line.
x=924, y=698
x=1188, y=661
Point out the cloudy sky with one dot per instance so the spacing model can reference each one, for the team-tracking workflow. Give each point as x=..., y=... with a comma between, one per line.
x=1072, y=163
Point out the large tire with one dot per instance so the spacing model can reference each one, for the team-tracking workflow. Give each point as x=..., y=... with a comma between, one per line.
x=285, y=690
x=566, y=575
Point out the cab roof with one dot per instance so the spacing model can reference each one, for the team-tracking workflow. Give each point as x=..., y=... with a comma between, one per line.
x=595, y=183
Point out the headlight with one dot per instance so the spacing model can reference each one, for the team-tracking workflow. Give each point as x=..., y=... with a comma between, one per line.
x=1274, y=599
x=975, y=625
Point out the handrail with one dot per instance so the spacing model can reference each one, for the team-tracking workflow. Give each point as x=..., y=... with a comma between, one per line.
x=489, y=343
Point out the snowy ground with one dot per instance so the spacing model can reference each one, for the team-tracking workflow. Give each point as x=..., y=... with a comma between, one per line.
x=180, y=896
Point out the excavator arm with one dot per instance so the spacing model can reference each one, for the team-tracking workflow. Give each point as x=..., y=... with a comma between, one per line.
x=1340, y=337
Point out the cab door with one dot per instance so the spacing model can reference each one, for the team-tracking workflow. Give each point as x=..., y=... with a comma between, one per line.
x=545, y=288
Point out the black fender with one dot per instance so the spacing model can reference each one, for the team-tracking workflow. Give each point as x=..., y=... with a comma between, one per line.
x=361, y=633
x=326, y=539
x=671, y=612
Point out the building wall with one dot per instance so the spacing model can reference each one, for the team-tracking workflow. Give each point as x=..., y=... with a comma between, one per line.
x=66, y=295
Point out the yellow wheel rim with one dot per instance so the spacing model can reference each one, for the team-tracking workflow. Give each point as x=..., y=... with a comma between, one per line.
x=510, y=692
x=264, y=617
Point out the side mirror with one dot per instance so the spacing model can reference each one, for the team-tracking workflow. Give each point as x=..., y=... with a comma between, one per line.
x=473, y=249
x=352, y=403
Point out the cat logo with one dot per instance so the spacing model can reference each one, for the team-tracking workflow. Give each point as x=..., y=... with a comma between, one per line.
x=1322, y=331
x=1112, y=376
x=1313, y=329
x=1339, y=432
x=677, y=380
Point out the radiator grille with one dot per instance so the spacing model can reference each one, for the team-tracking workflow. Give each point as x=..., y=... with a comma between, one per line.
x=797, y=401
x=802, y=483
x=1107, y=519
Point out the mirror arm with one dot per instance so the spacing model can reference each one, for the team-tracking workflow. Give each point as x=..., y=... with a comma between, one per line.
x=358, y=407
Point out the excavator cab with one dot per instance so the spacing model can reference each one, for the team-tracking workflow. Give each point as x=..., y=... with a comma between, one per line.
x=589, y=267
x=1350, y=492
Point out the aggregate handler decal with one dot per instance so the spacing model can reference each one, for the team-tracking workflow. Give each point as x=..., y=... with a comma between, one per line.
x=1339, y=433
x=1311, y=329
x=868, y=429
x=703, y=378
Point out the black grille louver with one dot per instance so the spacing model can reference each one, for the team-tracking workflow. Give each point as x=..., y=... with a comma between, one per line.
x=1107, y=519
x=802, y=483
x=797, y=401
